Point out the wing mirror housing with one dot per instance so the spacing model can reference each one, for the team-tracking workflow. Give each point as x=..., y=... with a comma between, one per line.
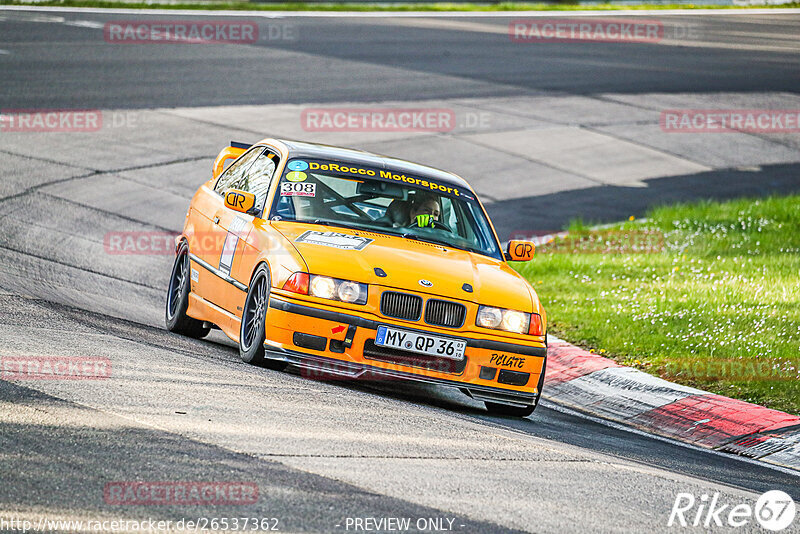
x=520, y=250
x=229, y=152
x=240, y=201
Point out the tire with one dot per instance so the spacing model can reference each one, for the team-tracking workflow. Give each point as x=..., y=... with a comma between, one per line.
x=178, y=299
x=252, y=331
x=505, y=409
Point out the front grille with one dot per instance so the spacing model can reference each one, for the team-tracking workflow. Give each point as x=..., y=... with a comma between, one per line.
x=401, y=305
x=445, y=313
x=412, y=359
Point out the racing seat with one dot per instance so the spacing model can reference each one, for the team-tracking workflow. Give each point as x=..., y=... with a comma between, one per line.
x=397, y=214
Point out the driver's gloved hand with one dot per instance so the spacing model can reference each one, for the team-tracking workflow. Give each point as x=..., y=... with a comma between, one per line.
x=425, y=220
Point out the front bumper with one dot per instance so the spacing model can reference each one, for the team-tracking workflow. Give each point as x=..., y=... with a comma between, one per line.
x=338, y=344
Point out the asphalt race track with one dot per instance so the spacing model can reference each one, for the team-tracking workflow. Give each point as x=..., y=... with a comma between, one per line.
x=545, y=132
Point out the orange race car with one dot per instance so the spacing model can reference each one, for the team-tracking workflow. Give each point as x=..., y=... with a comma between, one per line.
x=358, y=265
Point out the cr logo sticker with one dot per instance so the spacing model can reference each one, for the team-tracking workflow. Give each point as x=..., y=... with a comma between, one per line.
x=523, y=249
x=425, y=283
x=241, y=201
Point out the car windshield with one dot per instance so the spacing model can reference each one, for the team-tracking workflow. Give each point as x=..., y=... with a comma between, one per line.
x=385, y=201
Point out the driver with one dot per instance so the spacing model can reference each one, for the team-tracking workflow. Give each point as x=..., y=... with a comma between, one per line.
x=425, y=210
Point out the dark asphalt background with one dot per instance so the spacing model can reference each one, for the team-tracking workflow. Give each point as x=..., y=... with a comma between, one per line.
x=335, y=60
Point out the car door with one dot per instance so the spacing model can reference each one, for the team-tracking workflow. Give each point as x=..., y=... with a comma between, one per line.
x=211, y=224
x=236, y=256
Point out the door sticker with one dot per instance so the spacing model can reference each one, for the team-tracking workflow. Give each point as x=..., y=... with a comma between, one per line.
x=228, y=251
x=237, y=226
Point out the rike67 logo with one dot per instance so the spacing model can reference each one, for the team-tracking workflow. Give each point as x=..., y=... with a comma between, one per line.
x=774, y=510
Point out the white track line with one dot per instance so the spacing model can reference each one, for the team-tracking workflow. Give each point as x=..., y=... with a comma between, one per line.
x=426, y=14
x=85, y=24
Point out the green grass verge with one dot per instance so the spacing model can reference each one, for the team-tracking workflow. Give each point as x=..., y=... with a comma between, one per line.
x=718, y=308
x=432, y=6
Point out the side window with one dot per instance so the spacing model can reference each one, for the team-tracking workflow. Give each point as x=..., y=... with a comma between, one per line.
x=233, y=174
x=258, y=177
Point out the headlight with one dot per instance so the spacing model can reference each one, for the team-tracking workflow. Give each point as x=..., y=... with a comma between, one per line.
x=515, y=321
x=501, y=319
x=348, y=291
x=489, y=317
x=325, y=287
x=322, y=287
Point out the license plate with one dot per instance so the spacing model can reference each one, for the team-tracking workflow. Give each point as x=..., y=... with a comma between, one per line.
x=442, y=347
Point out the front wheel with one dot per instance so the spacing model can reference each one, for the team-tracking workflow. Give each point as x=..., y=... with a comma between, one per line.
x=253, y=329
x=178, y=299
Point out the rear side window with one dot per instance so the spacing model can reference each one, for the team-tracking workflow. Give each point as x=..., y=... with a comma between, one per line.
x=234, y=173
x=258, y=178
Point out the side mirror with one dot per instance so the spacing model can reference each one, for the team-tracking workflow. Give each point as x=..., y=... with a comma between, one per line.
x=240, y=201
x=229, y=152
x=520, y=250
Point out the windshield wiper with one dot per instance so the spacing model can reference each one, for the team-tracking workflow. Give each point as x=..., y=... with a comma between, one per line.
x=417, y=237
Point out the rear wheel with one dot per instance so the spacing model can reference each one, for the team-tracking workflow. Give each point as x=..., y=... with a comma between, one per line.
x=253, y=329
x=178, y=298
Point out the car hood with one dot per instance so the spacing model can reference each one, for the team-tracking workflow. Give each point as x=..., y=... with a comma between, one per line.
x=354, y=255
